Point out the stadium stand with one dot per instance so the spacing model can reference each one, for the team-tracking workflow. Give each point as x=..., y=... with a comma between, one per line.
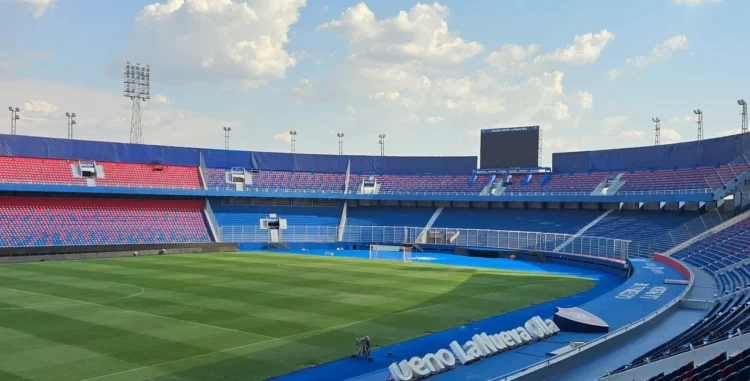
x=129, y=175
x=566, y=221
x=250, y=215
x=304, y=181
x=427, y=183
x=55, y=222
x=721, y=368
x=388, y=216
x=732, y=310
x=23, y=170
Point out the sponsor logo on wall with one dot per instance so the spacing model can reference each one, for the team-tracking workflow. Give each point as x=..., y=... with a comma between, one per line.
x=480, y=346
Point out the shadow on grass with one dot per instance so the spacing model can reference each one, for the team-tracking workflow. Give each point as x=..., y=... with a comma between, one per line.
x=480, y=296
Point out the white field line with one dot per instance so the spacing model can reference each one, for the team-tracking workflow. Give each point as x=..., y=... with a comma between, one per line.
x=45, y=306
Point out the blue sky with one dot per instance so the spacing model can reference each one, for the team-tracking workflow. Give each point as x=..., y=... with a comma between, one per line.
x=591, y=73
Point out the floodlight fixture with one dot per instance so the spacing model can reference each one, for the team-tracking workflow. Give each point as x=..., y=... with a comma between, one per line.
x=137, y=87
x=742, y=103
x=340, y=135
x=227, y=130
x=14, y=117
x=657, y=131
x=293, y=140
x=700, y=123
x=71, y=122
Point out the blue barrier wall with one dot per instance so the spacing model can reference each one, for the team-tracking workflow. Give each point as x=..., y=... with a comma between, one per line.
x=52, y=148
x=704, y=152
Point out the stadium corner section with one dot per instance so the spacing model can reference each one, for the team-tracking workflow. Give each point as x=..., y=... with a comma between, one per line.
x=506, y=362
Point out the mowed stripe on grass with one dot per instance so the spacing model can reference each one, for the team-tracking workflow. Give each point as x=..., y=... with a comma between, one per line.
x=234, y=316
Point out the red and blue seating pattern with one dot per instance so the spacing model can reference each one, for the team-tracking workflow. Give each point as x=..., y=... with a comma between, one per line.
x=26, y=222
x=389, y=183
x=720, y=368
x=302, y=181
x=129, y=175
x=21, y=170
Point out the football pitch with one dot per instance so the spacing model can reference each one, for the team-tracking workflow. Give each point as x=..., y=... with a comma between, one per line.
x=248, y=316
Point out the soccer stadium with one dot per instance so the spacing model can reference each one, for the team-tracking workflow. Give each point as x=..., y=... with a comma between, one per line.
x=517, y=228
x=141, y=262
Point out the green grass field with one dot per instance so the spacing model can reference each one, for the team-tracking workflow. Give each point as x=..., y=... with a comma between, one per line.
x=234, y=316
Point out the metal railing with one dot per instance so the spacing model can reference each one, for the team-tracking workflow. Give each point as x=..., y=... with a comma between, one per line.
x=591, y=344
x=72, y=183
x=665, y=192
x=600, y=247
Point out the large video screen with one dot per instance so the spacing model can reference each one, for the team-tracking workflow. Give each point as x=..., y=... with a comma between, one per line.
x=509, y=147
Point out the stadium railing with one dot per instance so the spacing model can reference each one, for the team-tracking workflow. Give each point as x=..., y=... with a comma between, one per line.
x=665, y=192
x=108, y=185
x=599, y=247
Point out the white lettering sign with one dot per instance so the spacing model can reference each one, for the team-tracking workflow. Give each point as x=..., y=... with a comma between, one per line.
x=632, y=291
x=481, y=345
x=654, y=292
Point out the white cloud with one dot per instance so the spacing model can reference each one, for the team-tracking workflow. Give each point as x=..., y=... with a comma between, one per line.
x=660, y=52
x=350, y=114
x=694, y=3
x=585, y=99
x=434, y=119
x=106, y=116
x=732, y=131
x=39, y=107
x=241, y=42
x=422, y=33
x=631, y=134
x=669, y=135
x=37, y=7
x=511, y=58
x=558, y=110
x=161, y=99
x=283, y=137
x=585, y=49
x=682, y=119
x=390, y=95
x=611, y=124
x=613, y=74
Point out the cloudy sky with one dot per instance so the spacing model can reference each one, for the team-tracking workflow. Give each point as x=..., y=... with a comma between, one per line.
x=430, y=75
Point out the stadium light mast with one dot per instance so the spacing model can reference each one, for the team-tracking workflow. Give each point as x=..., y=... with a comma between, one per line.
x=227, y=130
x=14, y=117
x=340, y=135
x=293, y=140
x=700, y=123
x=657, y=131
x=382, y=144
x=742, y=103
x=71, y=122
x=137, y=80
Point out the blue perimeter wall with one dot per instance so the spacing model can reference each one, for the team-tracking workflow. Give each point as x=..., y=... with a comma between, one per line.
x=703, y=152
x=52, y=148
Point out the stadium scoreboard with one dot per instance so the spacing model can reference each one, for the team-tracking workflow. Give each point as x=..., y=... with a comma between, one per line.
x=509, y=147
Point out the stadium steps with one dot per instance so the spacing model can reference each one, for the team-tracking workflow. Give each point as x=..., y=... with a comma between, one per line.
x=342, y=224
x=731, y=186
x=584, y=230
x=423, y=235
x=726, y=224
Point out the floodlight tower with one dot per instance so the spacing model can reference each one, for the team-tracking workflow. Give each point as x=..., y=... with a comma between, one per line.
x=700, y=123
x=137, y=88
x=71, y=122
x=14, y=117
x=227, y=130
x=293, y=140
x=340, y=135
x=657, y=131
x=382, y=144
x=742, y=103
